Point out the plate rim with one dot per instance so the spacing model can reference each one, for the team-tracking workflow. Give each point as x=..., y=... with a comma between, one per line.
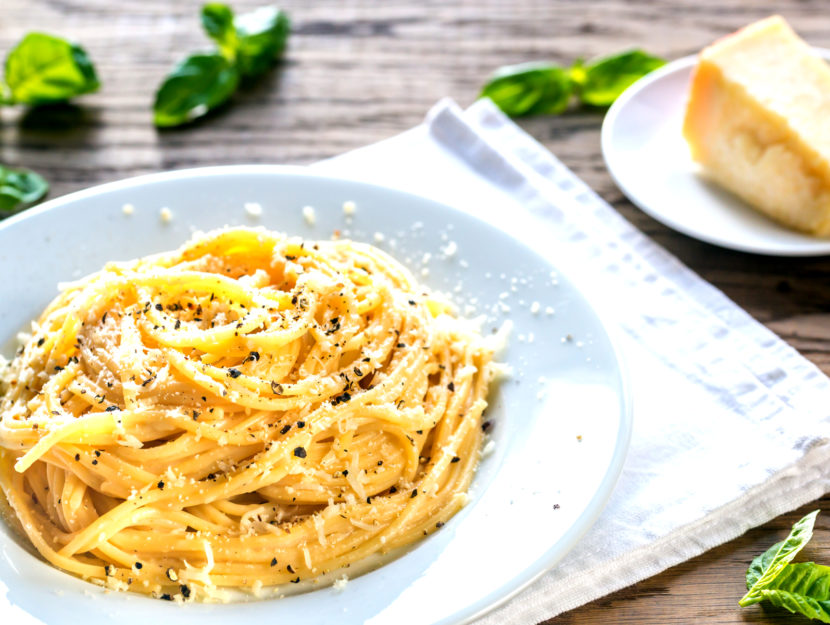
x=814, y=248
x=598, y=501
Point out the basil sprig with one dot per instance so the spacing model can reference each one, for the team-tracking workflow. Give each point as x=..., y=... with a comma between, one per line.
x=548, y=89
x=248, y=46
x=44, y=69
x=20, y=188
x=802, y=588
x=40, y=69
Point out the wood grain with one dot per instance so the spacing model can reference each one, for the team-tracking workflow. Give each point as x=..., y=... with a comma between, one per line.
x=359, y=71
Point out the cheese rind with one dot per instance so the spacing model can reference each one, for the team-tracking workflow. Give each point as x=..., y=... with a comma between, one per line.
x=757, y=121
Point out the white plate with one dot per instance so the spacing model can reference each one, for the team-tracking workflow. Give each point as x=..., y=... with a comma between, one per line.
x=532, y=498
x=649, y=160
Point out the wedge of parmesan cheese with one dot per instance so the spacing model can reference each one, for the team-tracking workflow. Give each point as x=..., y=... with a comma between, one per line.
x=757, y=121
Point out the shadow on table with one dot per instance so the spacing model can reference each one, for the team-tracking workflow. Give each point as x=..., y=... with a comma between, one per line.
x=64, y=120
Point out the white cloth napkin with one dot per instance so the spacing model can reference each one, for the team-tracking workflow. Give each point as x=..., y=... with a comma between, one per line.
x=730, y=423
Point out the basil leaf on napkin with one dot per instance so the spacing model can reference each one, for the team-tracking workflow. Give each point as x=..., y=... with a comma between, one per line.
x=766, y=568
x=197, y=85
x=44, y=69
x=249, y=45
x=529, y=89
x=20, y=187
x=603, y=81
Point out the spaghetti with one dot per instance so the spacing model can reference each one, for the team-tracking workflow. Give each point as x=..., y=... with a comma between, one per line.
x=249, y=410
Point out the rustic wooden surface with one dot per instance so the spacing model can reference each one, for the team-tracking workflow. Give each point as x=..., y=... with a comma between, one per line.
x=359, y=71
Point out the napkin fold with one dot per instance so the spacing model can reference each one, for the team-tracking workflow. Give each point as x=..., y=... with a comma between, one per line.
x=731, y=425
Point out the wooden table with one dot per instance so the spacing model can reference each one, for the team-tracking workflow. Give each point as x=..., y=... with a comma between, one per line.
x=360, y=71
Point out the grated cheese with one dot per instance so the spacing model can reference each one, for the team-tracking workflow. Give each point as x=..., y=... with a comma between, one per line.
x=488, y=448
x=254, y=209
x=309, y=215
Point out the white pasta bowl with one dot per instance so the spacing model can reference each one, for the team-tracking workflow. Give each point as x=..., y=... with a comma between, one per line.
x=561, y=420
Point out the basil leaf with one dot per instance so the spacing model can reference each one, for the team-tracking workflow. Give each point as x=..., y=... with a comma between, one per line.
x=529, y=89
x=761, y=564
x=217, y=20
x=802, y=588
x=44, y=69
x=603, y=81
x=19, y=187
x=197, y=85
x=262, y=35
x=800, y=534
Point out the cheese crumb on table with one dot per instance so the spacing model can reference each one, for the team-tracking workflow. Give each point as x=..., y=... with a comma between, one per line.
x=166, y=214
x=128, y=209
x=349, y=208
x=309, y=215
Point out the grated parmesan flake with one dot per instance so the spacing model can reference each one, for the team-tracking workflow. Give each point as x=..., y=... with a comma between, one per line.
x=254, y=209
